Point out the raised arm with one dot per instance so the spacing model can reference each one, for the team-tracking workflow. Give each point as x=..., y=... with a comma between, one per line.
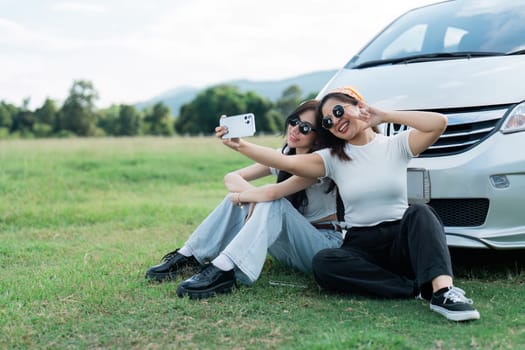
x=307, y=165
x=426, y=126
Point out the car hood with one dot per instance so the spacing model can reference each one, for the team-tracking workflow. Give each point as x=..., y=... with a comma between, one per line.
x=439, y=84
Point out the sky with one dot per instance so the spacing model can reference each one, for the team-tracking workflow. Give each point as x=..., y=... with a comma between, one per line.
x=133, y=50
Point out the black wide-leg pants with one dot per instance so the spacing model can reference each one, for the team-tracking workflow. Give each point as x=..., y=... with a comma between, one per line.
x=392, y=260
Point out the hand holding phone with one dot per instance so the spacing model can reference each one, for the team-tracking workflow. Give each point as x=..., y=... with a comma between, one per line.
x=240, y=125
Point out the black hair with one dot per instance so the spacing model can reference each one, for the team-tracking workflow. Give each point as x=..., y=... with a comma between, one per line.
x=336, y=144
x=299, y=199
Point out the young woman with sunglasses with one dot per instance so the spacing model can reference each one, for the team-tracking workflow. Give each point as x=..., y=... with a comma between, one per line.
x=391, y=249
x=292, y=230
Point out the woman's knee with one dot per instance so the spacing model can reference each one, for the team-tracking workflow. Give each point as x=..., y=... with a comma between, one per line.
x=422, y=211
x=331, y=259
x=418, y=209
x=321, y=259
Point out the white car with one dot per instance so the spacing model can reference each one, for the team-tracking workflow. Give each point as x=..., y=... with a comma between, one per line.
x=465, y=59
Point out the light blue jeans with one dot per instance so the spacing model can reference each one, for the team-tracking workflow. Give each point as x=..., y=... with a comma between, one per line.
x=275, y=227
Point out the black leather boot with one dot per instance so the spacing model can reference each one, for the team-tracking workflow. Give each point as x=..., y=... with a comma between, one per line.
x=207, y=283
x=173, y=264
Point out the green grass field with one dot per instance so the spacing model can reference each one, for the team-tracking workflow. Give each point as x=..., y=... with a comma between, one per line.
x=82, y=219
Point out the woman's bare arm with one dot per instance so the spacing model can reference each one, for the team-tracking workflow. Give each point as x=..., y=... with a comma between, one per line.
x=272, y=192
x=307, y=165
x=239, y=180
x=426, y=126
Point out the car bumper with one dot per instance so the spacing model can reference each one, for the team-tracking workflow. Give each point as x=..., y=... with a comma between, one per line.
x=468, y=176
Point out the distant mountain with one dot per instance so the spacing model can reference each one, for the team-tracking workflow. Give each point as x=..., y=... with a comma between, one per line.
x=309, y=83
x=173, y=98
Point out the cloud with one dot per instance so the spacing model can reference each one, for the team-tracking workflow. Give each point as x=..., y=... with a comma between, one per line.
x=69, y=6
x=11, y=31
x=132, y=50
x=22, y=40
x=10, y=26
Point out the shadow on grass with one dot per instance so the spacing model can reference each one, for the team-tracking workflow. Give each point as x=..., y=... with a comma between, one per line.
x=488, y=264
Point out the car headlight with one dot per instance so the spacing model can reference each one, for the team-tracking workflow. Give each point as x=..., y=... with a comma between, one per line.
x=515, y=121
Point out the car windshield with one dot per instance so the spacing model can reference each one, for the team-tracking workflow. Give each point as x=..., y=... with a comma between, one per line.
x=449, y=30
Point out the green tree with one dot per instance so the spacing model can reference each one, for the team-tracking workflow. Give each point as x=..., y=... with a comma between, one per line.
x=47, y=113
x=129, y=121
x=23, y=120
x=261, y=107
x=159, y=120
x=6, y=118
x=277, y=120
x=46, y=119
x=289, y=100
x=201, y=115
x=107, y=119
x=78, y=111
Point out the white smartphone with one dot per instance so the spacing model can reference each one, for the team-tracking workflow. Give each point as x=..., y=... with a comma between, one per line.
x=240, y=125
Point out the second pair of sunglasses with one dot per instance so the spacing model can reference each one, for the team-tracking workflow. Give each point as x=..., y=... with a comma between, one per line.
x=304, y=127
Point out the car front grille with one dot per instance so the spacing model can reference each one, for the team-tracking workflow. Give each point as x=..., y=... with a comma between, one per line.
x=459, y=138
x=461, y=211
x=466, y=128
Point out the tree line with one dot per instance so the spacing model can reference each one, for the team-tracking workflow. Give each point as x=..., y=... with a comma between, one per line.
x=79, y=116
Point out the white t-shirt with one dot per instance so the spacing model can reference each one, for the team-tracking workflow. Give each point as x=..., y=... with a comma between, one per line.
x=320, y=203
x=373, y=184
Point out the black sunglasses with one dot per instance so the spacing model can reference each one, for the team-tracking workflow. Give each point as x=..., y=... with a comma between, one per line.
x=338, y=111
x=304, y=127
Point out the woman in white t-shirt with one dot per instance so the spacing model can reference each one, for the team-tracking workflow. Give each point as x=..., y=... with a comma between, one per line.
x=228, y=247
x=391, y=249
